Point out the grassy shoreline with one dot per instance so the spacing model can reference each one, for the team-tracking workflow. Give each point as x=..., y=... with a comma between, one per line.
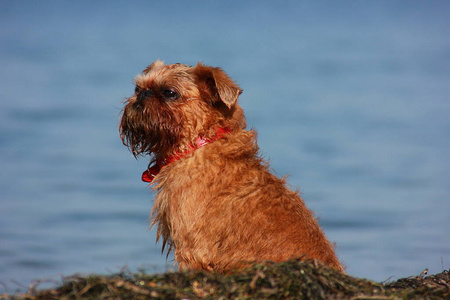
x=293, y=279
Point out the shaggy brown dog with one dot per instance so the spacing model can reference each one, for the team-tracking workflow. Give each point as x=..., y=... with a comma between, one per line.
x=217, y=203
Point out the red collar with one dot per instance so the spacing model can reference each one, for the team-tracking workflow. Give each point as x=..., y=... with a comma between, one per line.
x=154, y=169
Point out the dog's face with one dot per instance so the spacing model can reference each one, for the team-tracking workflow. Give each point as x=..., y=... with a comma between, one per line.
x=174, y=104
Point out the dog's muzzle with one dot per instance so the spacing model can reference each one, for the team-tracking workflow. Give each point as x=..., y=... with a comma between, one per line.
x=144, y=94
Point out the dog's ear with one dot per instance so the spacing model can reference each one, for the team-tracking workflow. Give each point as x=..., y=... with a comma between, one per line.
x=215, y=85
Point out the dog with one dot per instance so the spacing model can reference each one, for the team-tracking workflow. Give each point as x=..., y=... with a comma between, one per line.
x=217, y=203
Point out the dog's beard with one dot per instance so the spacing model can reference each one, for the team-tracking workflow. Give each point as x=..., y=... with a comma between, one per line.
x=148, y=129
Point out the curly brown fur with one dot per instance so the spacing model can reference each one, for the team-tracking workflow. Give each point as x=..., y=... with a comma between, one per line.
x=219, y=206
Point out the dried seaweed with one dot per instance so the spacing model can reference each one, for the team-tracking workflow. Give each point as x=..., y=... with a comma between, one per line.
x=295, y=279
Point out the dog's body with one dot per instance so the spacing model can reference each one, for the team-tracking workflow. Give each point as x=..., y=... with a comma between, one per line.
x=217, y=204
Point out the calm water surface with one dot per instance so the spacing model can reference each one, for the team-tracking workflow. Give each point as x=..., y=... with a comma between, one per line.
x=351, y=100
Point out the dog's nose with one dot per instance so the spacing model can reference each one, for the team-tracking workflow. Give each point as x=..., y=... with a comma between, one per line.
x=144, y=94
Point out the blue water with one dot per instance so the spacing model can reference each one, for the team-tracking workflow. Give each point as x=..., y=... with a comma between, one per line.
x=350, y=99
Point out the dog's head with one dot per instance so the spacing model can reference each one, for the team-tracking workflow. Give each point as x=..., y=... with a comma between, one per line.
x=175, y=104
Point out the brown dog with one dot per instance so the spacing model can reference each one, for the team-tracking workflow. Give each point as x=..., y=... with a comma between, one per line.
x=217, y=204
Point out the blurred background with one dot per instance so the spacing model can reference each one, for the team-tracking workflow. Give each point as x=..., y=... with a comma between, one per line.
x=350, y=99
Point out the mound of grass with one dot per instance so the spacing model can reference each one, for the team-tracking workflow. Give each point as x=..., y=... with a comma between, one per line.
x=293, y=279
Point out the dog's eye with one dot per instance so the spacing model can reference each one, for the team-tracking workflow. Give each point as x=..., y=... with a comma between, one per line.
x=170, y=95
